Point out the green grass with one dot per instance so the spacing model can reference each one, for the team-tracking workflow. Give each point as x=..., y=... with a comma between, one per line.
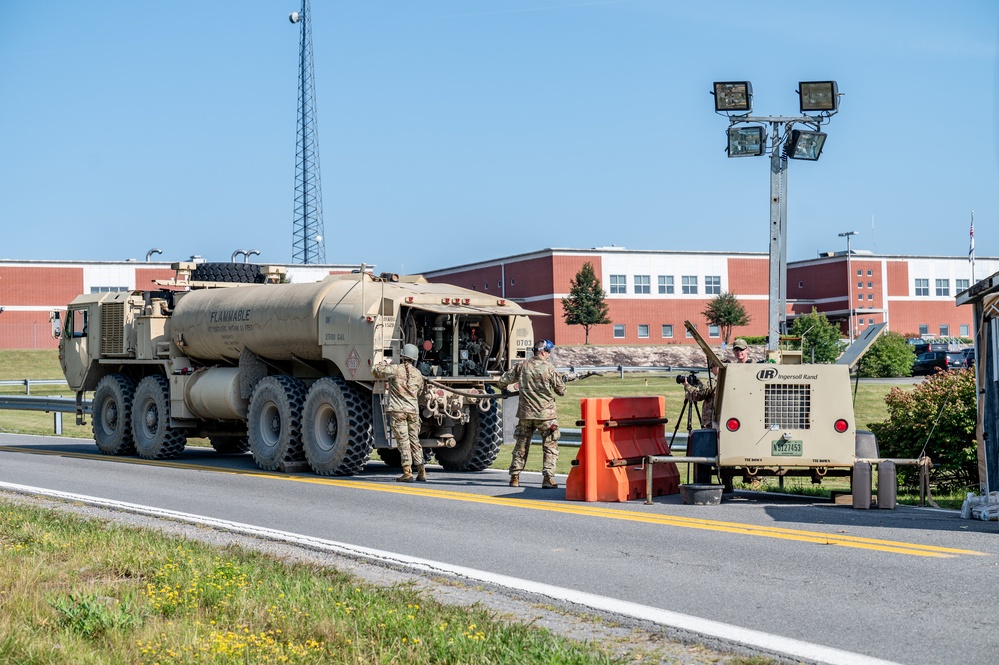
x=84, y=591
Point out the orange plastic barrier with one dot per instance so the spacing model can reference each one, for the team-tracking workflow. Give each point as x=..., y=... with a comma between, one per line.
x=617, y=433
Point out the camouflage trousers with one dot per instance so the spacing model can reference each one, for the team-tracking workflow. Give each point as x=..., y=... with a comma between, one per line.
x=522, y=446
x=406, y=432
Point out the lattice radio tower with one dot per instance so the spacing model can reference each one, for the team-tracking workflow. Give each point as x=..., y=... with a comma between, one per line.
x=308, y=239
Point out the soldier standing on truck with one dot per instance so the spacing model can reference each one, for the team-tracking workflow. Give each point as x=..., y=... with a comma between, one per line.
x=405, y=383
x=539, y=383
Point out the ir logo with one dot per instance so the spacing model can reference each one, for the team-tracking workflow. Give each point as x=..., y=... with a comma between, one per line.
x=766, y=374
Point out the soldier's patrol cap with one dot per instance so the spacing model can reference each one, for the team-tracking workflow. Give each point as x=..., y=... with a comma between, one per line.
x=740, y=344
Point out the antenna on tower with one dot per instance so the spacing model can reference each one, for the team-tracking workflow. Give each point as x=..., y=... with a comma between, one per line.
x=307, y=244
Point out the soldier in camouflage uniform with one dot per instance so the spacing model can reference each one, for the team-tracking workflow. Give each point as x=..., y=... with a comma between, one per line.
x=405, y=383
x=539, y=383
x=706, y=391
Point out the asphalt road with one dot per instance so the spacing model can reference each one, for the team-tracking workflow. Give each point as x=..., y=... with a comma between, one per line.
x=910, y=585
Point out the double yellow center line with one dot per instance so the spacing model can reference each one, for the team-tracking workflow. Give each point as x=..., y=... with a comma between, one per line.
x=584, y=509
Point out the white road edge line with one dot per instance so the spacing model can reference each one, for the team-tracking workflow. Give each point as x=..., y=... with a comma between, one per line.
x=774, y=644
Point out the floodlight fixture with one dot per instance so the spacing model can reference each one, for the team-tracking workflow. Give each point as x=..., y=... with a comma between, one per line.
x=746, y=141
x=804, y=145
x=818, y=96
x=733, y=96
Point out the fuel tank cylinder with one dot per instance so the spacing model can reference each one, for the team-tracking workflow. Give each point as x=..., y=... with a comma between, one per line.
x=276, y=321
x=214, y=393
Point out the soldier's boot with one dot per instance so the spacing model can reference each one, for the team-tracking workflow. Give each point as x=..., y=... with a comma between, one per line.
x=407, y=475
x=549, y=482
x=514, y=480
x=421, y=473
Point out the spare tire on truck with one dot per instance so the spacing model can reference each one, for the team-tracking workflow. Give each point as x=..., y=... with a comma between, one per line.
x=233, y=273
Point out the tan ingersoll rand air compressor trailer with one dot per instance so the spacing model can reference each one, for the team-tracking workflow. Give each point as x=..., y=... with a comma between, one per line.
x=284, y=370
x=784, y=418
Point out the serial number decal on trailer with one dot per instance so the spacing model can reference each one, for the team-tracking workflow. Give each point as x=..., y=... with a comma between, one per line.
x=786, y=448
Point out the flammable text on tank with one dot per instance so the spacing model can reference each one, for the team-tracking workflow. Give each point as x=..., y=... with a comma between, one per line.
x=228, y=315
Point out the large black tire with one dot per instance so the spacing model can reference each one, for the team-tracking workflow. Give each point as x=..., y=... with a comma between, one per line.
x=274, y=421
x=478, y=442
x=230, y=445
x=239, y=273
x=337, y=427
x=151, y=431
x=392, y=457
x=112, y=415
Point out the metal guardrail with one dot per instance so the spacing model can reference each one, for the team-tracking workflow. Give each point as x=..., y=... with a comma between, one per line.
x=47, y=404
x=27, y=383
x=623, y=369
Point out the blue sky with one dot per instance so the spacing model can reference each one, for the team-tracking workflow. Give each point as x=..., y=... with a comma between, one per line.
x=454, y=131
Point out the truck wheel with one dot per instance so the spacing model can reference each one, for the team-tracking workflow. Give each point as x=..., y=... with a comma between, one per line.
x=154, y=438
x=338, y=432
x=274, y=421
x=112, y=420
x=230, y=445
x=239, y=273
x=392, y=458
x=478, y=445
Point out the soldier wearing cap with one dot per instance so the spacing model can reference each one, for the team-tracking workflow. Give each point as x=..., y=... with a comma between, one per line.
x=706, y=391
x=539, y=383
x=405, y=383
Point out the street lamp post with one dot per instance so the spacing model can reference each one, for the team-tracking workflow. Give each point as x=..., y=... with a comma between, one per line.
x=735, y=100
x=849, y=280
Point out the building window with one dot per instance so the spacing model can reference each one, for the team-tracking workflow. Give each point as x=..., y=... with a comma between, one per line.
x=485, y=286
x=860, y=321
x=712, y=284
x=860, y=285
x=689, y=284
x=643, y=330
x=870, y=322
x=801, y=285
x=961, y=285
x=943, y=287
x=924, y=329
x=870, y=285
x=618, y=284
x=665, y=284
x=618, y=331
x=922, y=287
x=860, y=296
x=964, y=330
x=642, y=284
x=688, y=332
x=714, y=331
x=870, y=273
x=108, y=289
x=667, y=330
x=512, y=281
x=870, y=296
x=945, y=330
x=860, y=273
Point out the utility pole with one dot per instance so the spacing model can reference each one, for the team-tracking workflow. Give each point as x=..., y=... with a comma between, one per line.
x=308, y=241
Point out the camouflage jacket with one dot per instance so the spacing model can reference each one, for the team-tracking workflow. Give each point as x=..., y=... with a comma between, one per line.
x=405, y=383
x=539, y=383
x=706, y=393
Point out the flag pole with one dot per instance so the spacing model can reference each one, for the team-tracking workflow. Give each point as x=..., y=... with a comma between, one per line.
x=971, y=250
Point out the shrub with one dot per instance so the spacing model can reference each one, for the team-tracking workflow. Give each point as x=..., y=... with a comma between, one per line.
x=943, y=404
x=891, y=355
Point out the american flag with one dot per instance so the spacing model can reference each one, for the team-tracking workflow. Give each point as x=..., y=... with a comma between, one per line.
x=971, y=250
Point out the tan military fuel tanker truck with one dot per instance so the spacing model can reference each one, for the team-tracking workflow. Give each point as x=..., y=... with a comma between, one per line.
x=284, y=370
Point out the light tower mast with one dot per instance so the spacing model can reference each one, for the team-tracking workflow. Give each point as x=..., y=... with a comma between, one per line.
x=308, y=240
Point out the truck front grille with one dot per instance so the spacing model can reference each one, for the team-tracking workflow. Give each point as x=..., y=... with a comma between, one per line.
x=113, y=328
x=788, y=406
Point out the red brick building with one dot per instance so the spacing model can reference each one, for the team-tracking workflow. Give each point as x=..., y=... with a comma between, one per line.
x=651, y=293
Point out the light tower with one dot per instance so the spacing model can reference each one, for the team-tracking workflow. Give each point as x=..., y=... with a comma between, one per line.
x=308, y=241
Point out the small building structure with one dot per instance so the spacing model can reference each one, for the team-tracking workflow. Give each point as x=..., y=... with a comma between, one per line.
x=983, y=298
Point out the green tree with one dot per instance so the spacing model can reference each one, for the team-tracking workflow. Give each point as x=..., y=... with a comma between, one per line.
x=818, y=336
x=937, y=418
x=891, y=355
x=585, y=305
x=726, y=312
